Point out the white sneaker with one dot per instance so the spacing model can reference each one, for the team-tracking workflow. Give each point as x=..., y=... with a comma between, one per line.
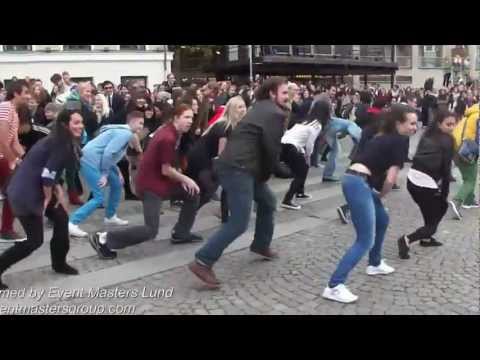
x=382, y=269
x=75, y=231
x=2, y=197
x=115, y=220
x=339, y=293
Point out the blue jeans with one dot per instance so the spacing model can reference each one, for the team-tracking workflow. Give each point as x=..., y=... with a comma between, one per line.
x=242, y=189
x=91, y=176
x=336, y=126
x=370, y=221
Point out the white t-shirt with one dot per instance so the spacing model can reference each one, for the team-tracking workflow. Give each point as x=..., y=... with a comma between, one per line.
x=303, y=136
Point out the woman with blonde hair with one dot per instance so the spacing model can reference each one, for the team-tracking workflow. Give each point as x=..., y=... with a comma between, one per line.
x=209, y=146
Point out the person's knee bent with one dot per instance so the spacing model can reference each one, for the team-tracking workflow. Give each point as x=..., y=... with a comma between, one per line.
x=33, y=243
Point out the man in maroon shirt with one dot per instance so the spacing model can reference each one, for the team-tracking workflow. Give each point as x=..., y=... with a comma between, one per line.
x=157, y=180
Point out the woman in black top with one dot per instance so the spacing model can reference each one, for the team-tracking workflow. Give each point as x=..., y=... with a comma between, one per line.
x=371, y=176
x=34, y=191
x=211, y=145
x=429, y=180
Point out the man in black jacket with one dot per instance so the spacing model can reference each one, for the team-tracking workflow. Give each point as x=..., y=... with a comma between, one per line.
x=244, y=168
x=114, y=99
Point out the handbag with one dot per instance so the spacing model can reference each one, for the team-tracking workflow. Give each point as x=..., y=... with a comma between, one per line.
x=468, y=151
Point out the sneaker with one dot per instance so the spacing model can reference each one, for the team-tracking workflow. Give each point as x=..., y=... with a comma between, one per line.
x=455, y=204
x=403, y=248
x=475, y=205
x=102, y=250
x=382, y=269
x=330, y=179
x=303, y=196
x=290, y=205
x=343, y=213
x=2, y=197
x=339, y=293
x=75, y=231
x=11, y=237
x=191, y=238
x=431, y=242
x=267, y=254
x=204, y=273
x=115, y=220
x=395, y=187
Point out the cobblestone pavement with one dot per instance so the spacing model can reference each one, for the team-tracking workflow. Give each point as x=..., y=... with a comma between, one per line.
x=442, y=280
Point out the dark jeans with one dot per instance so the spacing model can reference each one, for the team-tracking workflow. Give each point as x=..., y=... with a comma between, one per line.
x=33, y=226
x=224, y=206
x=296, y=162
x=242, y=189
x=152, y=205
x=433, y=207
x=319, y=146
x=208, y=184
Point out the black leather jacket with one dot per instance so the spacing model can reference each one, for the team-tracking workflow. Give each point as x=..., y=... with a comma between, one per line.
x=255, y=144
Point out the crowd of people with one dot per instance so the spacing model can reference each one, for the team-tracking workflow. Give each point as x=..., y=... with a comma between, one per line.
x=184, y=143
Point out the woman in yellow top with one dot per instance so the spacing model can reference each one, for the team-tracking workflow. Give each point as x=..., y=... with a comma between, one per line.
x=465, y=197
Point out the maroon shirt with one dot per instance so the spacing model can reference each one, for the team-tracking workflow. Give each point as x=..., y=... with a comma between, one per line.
x=161, y=150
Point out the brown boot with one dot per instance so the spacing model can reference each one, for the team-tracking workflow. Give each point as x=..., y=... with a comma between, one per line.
x=267, y=254
x=74, y=198
x=205, y=274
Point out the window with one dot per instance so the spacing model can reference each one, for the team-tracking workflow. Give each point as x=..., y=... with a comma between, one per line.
x=403, y=56
x=232, y=52
x=125, y=79
x=280, y=49
x=132, y=47
x=478, y=58
x=17, y=47
x=430, y=56
x=302, y=50
x=343, y=50
x=322, y=49
x=403, y=79
x=81, y=79
x=431, y=50
x=77, y=47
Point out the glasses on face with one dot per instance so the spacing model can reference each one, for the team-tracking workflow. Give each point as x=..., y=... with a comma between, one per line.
x=108, y=88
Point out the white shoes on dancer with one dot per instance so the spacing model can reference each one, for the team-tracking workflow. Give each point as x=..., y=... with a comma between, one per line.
x=115, y=220
x=382, y=269
x=75, y=231
x=339, y=293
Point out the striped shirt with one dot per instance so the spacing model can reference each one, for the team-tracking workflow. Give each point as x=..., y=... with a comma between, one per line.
x=9, y=113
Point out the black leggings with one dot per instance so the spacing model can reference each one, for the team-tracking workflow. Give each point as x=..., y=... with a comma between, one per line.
x=297, y=163
x=33, y=226
x=123, y=165
x=433, y=207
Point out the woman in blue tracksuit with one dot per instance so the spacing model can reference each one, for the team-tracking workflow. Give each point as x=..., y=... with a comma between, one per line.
x=98, y=167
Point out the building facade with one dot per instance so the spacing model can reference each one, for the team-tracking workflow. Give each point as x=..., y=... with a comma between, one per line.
x=405, y=65
x=419, y=62
x=308, y=62
x=117, y=63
